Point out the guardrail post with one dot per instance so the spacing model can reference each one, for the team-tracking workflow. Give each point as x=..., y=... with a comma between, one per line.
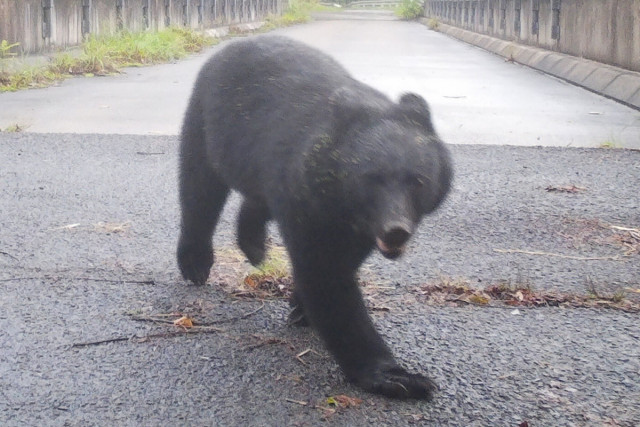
x=46, y=19
x=535, y=19
x=517, y=18
x=555, y=20
x=145, y=14
x=86, y=17
x=491, y=14
x=167, y=13
x=119, y=17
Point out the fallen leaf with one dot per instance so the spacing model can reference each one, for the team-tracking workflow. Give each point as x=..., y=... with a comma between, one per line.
x=565, y=189
x=479, y=299
x=184, y=321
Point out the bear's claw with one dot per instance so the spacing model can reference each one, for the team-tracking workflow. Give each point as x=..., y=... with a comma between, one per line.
x=397, y=383
x=195, y=263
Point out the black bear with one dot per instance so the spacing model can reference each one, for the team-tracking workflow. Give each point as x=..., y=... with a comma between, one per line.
x=340, y=168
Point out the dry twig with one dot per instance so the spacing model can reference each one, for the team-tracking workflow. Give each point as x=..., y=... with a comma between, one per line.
x=139, y=339
x=551, y=254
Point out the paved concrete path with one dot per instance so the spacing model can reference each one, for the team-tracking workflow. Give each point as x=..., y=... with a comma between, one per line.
x=476, y=97
x=616, y=83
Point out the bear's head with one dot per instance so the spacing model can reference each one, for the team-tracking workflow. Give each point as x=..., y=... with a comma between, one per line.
x=392, y=167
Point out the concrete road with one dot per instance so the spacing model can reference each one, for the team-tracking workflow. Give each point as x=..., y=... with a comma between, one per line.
x=476, y=97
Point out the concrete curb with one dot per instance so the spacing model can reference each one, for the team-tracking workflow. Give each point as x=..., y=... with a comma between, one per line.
x=613, y=82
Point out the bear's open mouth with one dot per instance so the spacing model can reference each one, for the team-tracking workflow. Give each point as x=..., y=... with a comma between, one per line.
x=390, y=252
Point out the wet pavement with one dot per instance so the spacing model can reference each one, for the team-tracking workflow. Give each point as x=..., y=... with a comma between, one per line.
x=89, y=223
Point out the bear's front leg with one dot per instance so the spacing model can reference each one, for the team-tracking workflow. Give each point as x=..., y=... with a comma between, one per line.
x=202, y=197
x=333, y=304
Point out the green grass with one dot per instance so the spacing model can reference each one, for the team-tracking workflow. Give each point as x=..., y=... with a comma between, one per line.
x=5, y=49
x=13, y=129
x=28, y=77
x=276, y=264
x=298, y=12
x=610, y=144
x=101, y=55
x=410, y=9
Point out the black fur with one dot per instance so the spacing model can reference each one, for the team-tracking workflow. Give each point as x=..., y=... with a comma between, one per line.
x=339, y=167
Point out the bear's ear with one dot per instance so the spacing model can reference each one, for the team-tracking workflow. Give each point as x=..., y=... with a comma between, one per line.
x=348, y=108
x=414, y=109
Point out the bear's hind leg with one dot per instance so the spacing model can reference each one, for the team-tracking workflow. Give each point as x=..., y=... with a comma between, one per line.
x=252, y=230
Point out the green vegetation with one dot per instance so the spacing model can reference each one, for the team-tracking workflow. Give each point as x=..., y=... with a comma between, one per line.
x=102, y=55
x=5, y=49
x=270, y=279
x=433, y=24
x=298, y=12
x=609, y=144
x=410, y=9
x=276, y=264
x=27, y=77
x=617, y=296
x=13, y=129
x=106, y=54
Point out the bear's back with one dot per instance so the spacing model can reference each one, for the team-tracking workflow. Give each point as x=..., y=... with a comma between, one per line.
x=277, y=65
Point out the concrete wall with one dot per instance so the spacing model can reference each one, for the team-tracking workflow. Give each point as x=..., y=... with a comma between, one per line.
x=606, y=31
x=41, y=25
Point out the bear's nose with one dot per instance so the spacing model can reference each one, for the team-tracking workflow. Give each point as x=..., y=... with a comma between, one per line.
x=396, y=235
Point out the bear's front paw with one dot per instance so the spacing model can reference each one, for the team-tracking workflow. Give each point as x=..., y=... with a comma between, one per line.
x=297, y=317
x=398, y=383
x=195, y=262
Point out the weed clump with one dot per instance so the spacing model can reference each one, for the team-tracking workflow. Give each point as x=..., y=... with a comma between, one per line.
x=298, y=12
x=410, y=9
x=102, y=55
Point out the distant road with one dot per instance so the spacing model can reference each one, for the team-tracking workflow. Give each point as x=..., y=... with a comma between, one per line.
x=476, y=97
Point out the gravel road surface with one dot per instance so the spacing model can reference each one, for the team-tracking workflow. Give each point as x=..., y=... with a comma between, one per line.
x=88, y=225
